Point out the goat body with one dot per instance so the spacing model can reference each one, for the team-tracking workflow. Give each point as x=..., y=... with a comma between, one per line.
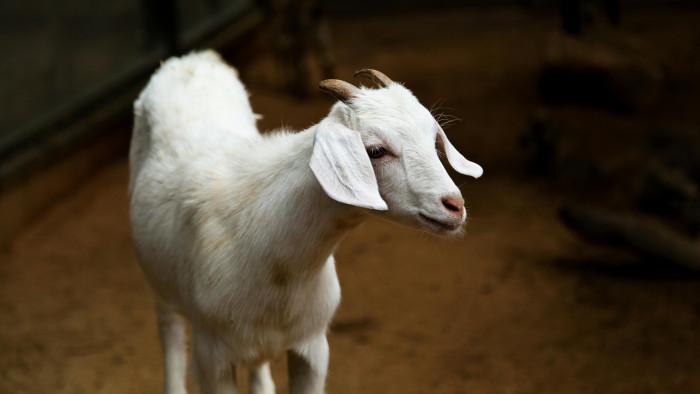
x=235, y=231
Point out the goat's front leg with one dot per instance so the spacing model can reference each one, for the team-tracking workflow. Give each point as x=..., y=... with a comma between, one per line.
x=261, y=380
x=307, y=364
x=215, y=372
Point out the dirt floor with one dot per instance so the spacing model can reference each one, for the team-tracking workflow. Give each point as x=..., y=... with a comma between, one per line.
x=518, y=305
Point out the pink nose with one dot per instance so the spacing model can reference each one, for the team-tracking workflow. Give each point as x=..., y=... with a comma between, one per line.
x=454, y=204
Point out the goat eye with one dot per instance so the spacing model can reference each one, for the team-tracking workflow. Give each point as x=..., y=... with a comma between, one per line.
x=376, y=152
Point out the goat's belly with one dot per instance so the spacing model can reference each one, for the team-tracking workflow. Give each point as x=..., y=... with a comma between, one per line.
x=265, y=344
x=281, y=321
x=253, y=342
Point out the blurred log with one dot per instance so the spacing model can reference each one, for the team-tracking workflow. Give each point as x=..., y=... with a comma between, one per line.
x=542, y=140
x=608, y=71
x=678, y=150
x=575, y=13
x=669, y=192
x=643, y=237
x=299, y=33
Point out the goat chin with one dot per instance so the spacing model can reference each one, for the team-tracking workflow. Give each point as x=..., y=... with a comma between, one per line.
x=235, y=230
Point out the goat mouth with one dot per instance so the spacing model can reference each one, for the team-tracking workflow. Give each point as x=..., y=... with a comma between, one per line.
x=439, y=223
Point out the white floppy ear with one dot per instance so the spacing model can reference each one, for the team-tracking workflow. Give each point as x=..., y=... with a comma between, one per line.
x=457, y=161
x=342, y=167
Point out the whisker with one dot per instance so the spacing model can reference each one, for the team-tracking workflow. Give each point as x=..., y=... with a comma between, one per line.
x=436, y=105
x=445, y=120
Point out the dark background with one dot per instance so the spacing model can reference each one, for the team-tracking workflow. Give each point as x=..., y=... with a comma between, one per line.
x=579, y=270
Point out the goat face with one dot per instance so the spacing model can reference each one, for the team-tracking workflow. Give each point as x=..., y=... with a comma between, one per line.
x=377, y=150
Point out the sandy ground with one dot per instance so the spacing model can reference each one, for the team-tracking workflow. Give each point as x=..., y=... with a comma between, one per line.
x=519, y=305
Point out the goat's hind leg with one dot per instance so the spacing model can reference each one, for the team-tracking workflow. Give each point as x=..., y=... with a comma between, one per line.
x=172, y=328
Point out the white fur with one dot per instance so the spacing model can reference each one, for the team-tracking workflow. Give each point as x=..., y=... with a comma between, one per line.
x=235, y=230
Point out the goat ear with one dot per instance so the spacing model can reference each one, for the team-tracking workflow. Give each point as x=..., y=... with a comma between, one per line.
x=457, y=161
x=342, y=167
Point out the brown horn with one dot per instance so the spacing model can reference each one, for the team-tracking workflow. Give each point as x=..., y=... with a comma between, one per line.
x=374, y=76
x=342, y=90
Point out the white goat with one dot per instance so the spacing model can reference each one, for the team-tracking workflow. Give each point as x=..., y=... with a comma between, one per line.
x=235, y=230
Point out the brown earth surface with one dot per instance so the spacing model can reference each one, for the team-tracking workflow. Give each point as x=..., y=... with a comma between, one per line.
x=518, y=305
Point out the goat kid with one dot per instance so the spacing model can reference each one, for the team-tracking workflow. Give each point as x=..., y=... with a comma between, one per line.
x=235, y=230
